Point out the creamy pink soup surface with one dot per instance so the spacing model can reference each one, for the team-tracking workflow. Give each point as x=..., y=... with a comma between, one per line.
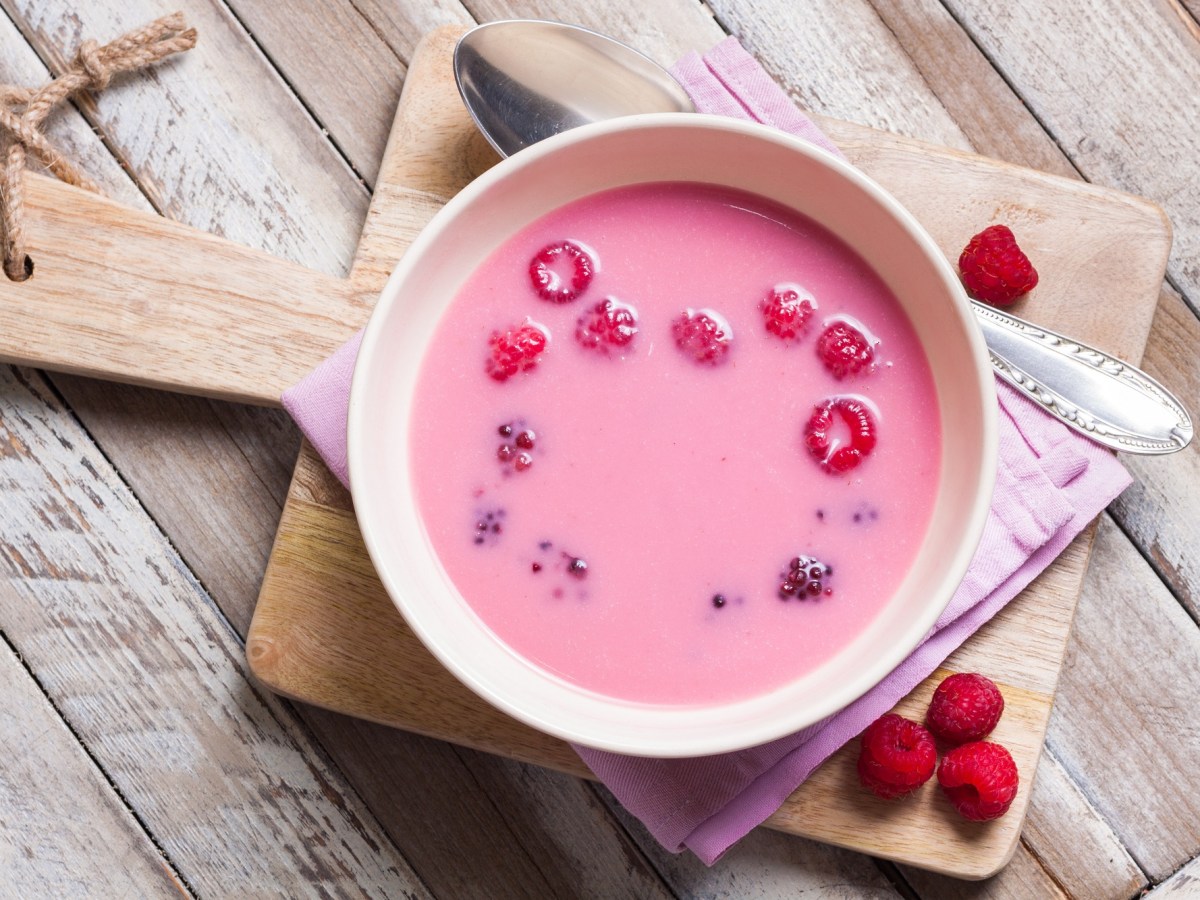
x=685, y=489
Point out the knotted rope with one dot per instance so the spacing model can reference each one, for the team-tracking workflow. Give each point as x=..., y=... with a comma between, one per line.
x=23, y=110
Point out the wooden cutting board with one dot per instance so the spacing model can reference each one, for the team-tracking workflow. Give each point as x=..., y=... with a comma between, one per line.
x=227, y=321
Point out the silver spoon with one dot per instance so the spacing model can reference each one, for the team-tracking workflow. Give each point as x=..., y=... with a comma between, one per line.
x=524, y=80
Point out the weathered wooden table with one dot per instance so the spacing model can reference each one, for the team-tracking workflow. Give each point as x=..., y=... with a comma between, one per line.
x=139, y=758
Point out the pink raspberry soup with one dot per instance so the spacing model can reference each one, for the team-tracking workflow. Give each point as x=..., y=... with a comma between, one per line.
x=639, y=550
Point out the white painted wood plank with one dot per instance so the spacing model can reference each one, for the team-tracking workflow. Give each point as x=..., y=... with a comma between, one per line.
x=371, y=43
x=837, y=58
x=152, y=679
x=1161, y=510
x=66, y=128
x=982, y=104
x=1073, y=842
x=1116, y=89
x=1125, y=722
x=214, y=136
x=1183, y=885
x=64, y=831
x=502, y=829
x=563, y=821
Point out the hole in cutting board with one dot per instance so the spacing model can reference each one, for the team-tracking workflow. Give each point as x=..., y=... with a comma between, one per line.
x=28, y=268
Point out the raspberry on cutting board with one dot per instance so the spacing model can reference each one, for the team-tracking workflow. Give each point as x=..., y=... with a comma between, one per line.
x=965, y=707
x=897, y=756
x=979, y=779
x=995, y=269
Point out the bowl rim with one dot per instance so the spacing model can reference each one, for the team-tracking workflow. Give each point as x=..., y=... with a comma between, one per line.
x=718, y=740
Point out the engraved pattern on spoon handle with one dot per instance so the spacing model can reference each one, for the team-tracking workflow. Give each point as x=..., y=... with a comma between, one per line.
x=1108, y=400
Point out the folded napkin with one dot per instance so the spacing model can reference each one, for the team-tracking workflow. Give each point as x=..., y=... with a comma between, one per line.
x=1051, y=482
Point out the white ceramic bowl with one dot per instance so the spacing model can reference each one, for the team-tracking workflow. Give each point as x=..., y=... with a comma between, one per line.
x=557, y=171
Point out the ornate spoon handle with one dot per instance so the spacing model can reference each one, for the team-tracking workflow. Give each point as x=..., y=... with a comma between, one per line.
x=1111, y=402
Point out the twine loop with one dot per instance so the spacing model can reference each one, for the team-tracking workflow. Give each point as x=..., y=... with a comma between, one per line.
x=23, y=110
x=89, y=60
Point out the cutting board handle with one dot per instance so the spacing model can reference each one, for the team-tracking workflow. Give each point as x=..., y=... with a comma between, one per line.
x=130, y=296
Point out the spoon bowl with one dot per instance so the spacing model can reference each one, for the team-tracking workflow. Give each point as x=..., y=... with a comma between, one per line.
x=524, y=80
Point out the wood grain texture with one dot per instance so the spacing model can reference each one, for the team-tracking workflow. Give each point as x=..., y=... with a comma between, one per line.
x=840, y=60
x=1022, y=879
x=991, y=117
x=219, y=319
x=1073, y=842
x=504, y=830
x=63, y=829
x=1161, y=511
x=1107, y=696
x=147, y=673
x=370, y=44
x=323, y=622
x=1182, y=885
x=199, y=455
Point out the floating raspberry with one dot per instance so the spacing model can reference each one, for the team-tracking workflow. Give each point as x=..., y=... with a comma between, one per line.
x=703, y=335
x=994, y=268
x=515, y=350
x=607, y=326
x=845, y=349
x=840, y=453
x=561, y=272
x=965, y=707
x=897, y=756
x=806, y=576
x=515, y=452
x=980, y=780
x=786, y=311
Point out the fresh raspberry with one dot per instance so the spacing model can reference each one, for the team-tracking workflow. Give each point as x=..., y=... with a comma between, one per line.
x=805, y=577
x=609, y=325
x=703, y=335
x=786, y=311
x=561, y=272
x=845, y=349
x=965, y=707
x=994, y=268
x=897, y=756
x=980, y=780
x=515, y=350
x=840, y=453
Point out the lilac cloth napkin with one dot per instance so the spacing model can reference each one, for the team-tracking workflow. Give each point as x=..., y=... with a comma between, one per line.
x=1051, y=482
